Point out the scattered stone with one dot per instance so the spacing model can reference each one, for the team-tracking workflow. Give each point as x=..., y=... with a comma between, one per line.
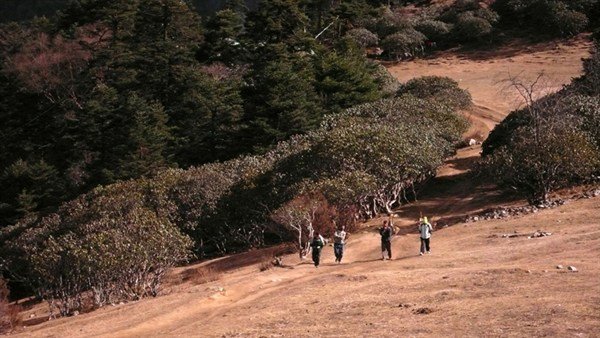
x=559, y=267
x=472, y=142
x=422, y=311
x=32, y=315
x=404, y=305
x=545, y=271
x=75, y=313
x=572, y=268
x=528, y=271
x=540, y=233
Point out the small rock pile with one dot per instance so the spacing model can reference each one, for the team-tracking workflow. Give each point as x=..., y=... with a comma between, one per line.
x=536, y=234
x=588, y=194
x=506, y=212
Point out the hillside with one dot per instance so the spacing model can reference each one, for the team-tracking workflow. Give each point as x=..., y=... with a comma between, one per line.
x=475, y=282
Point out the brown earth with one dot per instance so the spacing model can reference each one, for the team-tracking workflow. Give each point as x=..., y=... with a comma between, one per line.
x=475, y=283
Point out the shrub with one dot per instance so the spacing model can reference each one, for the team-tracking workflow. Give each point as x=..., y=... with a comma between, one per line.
x=434, y=30
x=407, y=41
x=569, y=23
x=108, y=242
x=363, y=37
x=438, y=88
x=554, y=17
x=469, y=28
x=388, y=23
x=589, y=83
x=534, y=167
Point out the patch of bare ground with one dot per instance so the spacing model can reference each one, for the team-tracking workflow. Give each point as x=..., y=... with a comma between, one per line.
x=474, y=284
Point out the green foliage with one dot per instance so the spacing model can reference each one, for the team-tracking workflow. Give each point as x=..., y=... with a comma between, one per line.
x=110, y=242
x=434, y=30
x=282, y=101
x=554, y=17
x=277, y=21
x=222, y=37
x=345, y=80
x=407, y=41
x=470, y=28
x=363, y=37
x=560, y=156
x=443, y=89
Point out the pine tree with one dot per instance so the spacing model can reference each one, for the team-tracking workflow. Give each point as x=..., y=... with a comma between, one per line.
x=345, y=78
x=282, y=100
x=277, y=21
x=147, y=141
x=222, y=37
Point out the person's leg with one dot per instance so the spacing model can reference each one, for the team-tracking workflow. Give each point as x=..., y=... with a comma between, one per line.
x=389, y=249
x=383, y=248
x=422, y=250
x=315, y=256
x=341, y=253
x=427, y=245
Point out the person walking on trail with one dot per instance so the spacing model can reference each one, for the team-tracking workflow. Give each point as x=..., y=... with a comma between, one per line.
x=386, y=233
x=425, y=230
x=317, y=243
x=339, y=240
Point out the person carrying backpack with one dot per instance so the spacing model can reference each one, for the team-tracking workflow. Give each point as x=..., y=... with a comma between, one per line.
x=425, y=230
x=386, y=233
x=339, y=240
x=317, y=243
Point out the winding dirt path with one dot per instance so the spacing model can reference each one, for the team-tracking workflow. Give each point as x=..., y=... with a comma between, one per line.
x=474, y=284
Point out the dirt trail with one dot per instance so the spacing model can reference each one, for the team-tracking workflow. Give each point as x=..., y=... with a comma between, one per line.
x=475, y=283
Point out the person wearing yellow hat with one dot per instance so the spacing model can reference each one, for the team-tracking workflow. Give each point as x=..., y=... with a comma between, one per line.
x=425, y=230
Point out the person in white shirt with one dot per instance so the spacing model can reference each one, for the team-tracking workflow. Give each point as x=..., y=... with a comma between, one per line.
x=425, y=230
x=339, y=241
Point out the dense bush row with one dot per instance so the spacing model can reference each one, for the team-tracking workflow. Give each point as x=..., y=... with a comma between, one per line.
x=472, y=22
x=115, y=242
x=552, y=143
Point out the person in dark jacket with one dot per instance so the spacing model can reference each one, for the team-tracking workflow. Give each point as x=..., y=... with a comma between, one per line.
x=317, y=243
x=386, y=233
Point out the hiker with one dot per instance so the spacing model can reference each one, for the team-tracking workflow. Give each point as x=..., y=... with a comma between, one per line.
x=339, y=240
x=386, y=239
x=317, y=244
x=425, y=230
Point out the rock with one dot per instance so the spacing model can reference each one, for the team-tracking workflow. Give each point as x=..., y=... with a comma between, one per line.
x=528, y=271
x=559, y=267
x=32, y=315
x=572, y=268
x=75, y=313
x=475, y=218
x=472, y=142
x=422, y=311
x=545, y=270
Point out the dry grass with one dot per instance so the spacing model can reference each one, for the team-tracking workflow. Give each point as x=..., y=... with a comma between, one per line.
x=201, y=275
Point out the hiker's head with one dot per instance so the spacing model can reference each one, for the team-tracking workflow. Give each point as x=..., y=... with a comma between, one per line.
x=342, y=228
x=385, y=223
